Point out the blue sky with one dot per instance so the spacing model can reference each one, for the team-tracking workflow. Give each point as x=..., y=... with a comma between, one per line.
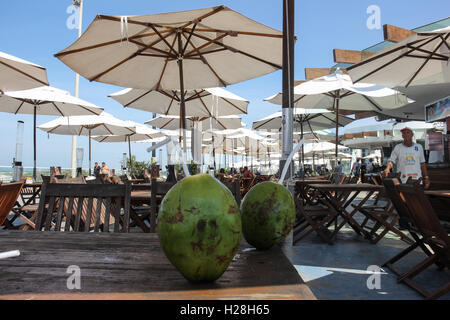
x=36, y=30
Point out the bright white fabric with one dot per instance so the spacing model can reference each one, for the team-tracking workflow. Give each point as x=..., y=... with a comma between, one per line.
x=408, y=160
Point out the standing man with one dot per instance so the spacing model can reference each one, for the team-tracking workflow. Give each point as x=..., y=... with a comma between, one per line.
x=409, y=158
x=96, y=170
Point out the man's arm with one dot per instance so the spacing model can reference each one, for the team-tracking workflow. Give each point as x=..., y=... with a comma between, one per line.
x=389, y=166
x=426, y=178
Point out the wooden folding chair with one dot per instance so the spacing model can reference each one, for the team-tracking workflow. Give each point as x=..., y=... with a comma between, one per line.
x=9, y=193
x=313, y=218
x=158, y=191
x=383, y=217
x=424, y=220
x=100, y=206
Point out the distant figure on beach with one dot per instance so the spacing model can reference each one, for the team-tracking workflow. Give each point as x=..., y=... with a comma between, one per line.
x=410, y=159
x=96, y=170
x=104, y=169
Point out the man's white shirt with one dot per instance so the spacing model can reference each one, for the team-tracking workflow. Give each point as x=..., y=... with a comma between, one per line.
x=408, y=160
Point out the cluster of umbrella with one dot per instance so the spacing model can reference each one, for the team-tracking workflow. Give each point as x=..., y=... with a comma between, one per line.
x=175, y=63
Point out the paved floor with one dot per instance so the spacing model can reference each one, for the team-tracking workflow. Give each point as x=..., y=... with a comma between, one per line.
x=340, y=271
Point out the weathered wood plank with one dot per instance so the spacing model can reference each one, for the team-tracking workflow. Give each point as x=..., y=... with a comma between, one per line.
x=396, y=34
x=350, y=56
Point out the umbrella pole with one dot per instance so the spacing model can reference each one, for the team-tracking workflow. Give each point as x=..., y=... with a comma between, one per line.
x=338, y=93
x=90, y=163
x=182, y=104
x=34, y=144
x=129, y=153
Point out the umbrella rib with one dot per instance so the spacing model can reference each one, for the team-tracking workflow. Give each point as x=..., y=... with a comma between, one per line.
x=138, y=98
x=297, y=100
x=56, y=107
x=372, y=103
x=423, y=57
x=426, y=61
x=53, y=129
x=167, y=123
x=206, y=62
x=207, y=44
x=164, y=68
x=241, y=52
x=23, y=101
x=134, y=55
x=171, y=102
x=116, y=19
x=26, y=74
x=445, y=42
x=392, y=61
x=438, y=55
x=235, y=106
x=204, y=105
x=104, y=44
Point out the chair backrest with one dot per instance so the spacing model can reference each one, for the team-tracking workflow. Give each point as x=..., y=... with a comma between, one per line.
x=422, y=213
x=9, y=193
x=100, y=206
x=235, y=189
x=158, y=191
x=397, y=199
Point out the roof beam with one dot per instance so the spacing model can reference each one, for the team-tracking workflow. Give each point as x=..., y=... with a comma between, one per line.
x=312, y=73
x=396, y=34
x=350, y=56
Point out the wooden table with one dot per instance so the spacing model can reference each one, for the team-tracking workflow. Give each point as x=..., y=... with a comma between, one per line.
x=133, y=266
x=303, y=189
x=339, y=196
x=440, y=201
x=438, y=193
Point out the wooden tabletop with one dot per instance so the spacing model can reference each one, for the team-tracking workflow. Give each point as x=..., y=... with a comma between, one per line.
x=312, y=181
x=438, y=193
x=133, y=266
x=347, y=187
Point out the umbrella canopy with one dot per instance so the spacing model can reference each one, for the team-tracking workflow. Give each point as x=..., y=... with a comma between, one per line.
x=338, y=91
x=322, y=93
x=45, y=101
x=18, y=74
x=219, y=123
x=199, y=103
x=311, y=148
x=367, y=125
x=418, y=60
x=203, y=48
x=310, y=119
x=103, y=124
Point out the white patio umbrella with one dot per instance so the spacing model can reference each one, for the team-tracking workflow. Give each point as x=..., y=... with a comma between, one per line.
x=309, y=120
x=98, y=125
x=193, y=49
x=198, y=103
x=339, y=92
x=421, y=59
x=18, y=74
x=141, y=133
x=45, y=101
x=219, y=123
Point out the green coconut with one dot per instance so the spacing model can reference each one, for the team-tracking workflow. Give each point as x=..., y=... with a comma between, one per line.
x=199, y=227
x=268, y=214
